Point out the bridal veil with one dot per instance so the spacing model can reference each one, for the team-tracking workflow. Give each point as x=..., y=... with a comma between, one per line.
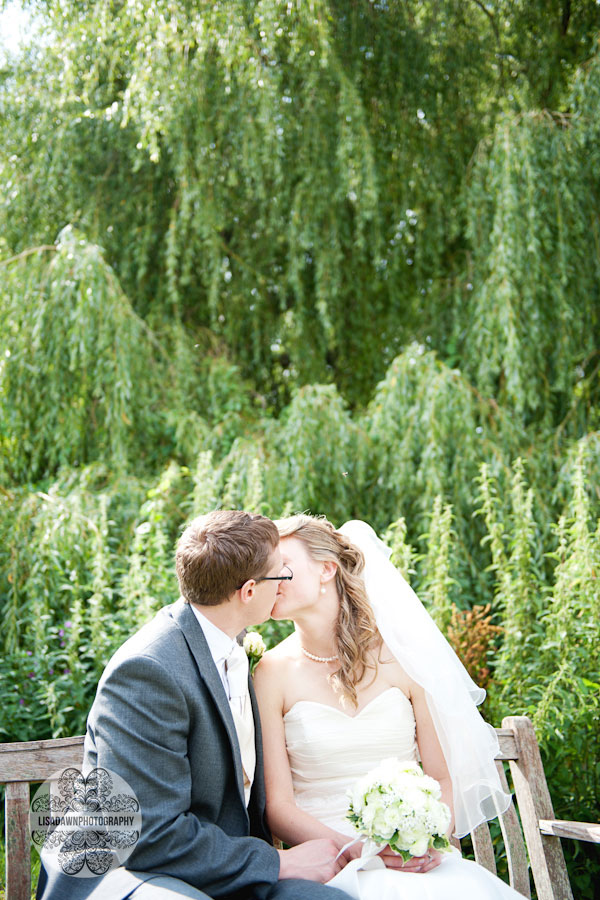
x=469, y=744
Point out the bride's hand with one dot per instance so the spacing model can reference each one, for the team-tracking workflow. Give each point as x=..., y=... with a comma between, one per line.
x=426, y=863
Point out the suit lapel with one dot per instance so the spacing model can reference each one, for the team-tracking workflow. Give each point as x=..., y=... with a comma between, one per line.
x=257, y=727
x=194, y=636
x=258, y=786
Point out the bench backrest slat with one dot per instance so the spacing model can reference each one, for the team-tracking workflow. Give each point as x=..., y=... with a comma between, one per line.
x=545, y=852
x=516, y=853
x=18, y=847
x=483, y=847
x=508, y=744
x=38, y=760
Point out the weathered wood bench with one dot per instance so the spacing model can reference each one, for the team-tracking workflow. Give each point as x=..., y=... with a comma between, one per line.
x=535, y=846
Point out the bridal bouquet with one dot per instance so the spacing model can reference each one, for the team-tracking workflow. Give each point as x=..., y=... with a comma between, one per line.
x=397, y=804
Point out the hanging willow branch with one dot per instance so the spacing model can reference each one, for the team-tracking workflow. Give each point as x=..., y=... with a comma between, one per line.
x=534, y=311
x=74, y=380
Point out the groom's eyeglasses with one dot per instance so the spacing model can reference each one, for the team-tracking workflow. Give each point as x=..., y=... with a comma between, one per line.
x=272, y=578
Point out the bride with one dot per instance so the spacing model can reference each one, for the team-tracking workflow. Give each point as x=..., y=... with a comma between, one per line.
x=367, y=676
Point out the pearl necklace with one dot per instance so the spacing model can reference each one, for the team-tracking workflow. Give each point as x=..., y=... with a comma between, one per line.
x=320, y=659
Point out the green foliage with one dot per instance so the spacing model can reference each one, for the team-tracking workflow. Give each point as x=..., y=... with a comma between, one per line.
x=148, y=581
x=403, y=555
x=317, y=454
x=515, y=548
x=416, y=450
x=549, y=664
x=435, y=587
x=287, y=175
x=72, y=388
x=570, y=650
x=58, y=569
x=532, y=319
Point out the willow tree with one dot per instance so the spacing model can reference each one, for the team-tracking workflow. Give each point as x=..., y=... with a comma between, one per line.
x=286, y=175
x=75, y=364
x=533, y=315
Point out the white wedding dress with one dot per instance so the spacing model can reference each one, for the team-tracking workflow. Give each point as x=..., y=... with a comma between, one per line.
x=328, y=751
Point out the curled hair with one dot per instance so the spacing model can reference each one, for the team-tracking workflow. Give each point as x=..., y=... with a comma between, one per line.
x=356, y=632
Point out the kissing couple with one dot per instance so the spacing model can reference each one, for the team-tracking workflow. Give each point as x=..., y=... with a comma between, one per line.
x=365, y=676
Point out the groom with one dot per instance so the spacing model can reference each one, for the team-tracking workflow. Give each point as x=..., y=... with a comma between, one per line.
x=175, y=716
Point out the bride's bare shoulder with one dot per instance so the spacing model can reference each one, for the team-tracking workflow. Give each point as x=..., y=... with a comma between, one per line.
x=278, y=661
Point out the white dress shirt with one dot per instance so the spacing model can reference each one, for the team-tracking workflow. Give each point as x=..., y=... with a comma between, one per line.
x=221, y=646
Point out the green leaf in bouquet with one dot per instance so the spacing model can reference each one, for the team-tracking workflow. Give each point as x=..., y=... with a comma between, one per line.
x=441, y=842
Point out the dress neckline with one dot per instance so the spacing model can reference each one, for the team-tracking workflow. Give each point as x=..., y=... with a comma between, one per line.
x=341, y=711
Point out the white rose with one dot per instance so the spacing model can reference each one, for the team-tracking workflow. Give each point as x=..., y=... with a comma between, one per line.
x=381, y=825
x=419, y=847
x=367, y=816
x=431, y=786
x=375, y=799
x=392, y=818
x=408, y=834
x=415, y=800
x=442, y=819
x=254, y=644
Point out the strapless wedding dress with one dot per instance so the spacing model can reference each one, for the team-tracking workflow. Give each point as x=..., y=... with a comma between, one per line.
x=328, y=751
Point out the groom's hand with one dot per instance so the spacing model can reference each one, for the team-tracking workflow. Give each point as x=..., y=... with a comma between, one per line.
x=314, y=860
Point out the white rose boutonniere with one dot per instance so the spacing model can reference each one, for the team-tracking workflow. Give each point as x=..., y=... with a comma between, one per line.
x=255, y=647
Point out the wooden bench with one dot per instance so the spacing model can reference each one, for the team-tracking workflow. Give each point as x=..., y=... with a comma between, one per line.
x=535, y=846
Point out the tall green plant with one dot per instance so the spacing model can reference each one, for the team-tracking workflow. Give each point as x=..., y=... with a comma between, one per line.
x=148, y=579
x=570, y=650
x=520, y=588
x=549, y=665
x=60, y=623
x=436, y=585
x=403, y=554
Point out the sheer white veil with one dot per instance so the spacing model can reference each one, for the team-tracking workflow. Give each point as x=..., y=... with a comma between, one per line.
x=469, y=744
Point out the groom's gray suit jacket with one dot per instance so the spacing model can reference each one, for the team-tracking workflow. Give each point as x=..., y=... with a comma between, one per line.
x=161, y=720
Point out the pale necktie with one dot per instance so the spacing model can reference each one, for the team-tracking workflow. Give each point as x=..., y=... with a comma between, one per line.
x=236, y=665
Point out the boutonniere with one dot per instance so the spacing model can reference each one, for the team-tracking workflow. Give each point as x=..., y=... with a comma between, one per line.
x=255, y=647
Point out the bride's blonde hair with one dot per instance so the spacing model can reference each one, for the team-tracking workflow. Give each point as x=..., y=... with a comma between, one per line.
x=356, y=633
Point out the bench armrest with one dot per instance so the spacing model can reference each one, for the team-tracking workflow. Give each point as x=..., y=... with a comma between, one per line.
x=581, y=831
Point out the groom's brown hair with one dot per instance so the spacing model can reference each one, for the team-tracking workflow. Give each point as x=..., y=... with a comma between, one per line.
x=220, y=551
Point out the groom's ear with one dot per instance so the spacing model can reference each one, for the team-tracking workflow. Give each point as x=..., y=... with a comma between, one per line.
x=247, y=591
